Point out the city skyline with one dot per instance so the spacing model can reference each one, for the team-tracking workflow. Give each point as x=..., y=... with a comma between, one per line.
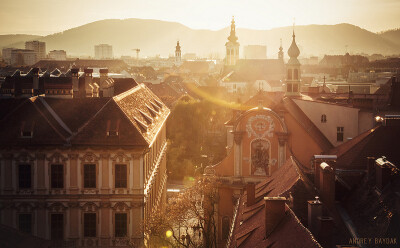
x=255, y=15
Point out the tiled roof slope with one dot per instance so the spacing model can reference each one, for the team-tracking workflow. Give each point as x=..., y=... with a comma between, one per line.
x=137, y=115
x=138, y=104
x=249, y=229
x=377, y=142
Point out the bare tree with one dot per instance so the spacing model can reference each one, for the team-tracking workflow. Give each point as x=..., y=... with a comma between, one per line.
x=189, y=220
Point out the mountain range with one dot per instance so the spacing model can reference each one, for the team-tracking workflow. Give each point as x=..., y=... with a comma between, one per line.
x=154, y=37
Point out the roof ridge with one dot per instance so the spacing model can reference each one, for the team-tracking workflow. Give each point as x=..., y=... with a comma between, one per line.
x=55, y=116
x=48, y=121
x=88, y=121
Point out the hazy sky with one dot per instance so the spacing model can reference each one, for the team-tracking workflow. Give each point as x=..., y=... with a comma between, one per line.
x=49, y=16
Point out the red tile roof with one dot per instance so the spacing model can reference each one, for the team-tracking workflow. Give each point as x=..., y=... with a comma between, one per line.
x=377, y=142
x=249, y=229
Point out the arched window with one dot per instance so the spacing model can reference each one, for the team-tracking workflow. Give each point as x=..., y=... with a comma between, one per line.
x=225, y=227
x=296, y=74
x=289, y=74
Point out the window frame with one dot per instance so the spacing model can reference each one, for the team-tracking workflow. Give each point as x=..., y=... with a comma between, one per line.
x=116, y=179
x=30, y=176
x=53, y=229
x=31, y=222
x=126, y=224
x=84, y=176
x=52, y=176
x=92, y=231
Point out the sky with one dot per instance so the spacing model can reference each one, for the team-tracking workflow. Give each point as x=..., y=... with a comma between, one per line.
x=45, y=17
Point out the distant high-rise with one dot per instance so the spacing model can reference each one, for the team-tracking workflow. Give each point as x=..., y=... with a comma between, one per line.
x=37, y=46
x=255, y=52
x=58, y=55
x=103, y=51
x=178, y=54
x=232, y=46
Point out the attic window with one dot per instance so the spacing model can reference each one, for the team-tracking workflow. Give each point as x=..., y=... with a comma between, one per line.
x=113, y=127
x=148, y=119
x=27, y=129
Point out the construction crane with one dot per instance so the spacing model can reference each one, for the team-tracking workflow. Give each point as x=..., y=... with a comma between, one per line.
x=137, y=55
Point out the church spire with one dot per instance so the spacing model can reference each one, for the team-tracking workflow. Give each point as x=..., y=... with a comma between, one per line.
x=178, y=54
x=280, y=53
x=232, y=37
x=232, y=46
x=293, y=78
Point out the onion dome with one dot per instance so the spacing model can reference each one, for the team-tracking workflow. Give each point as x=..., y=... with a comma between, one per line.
x=293, y=50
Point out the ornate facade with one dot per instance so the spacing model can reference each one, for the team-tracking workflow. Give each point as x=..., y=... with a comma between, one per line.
x=85, y=171
x=261, y=140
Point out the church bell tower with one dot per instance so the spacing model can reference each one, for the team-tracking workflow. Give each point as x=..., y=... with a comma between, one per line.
x=232, y=46
x=293, y=77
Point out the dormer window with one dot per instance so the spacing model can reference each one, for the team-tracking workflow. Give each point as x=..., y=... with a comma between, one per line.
x=113, y=127
x=152, y=111
x=158, y=103
x=27, y=129
x=142, y=126
x=156, y=108
x=147, y=118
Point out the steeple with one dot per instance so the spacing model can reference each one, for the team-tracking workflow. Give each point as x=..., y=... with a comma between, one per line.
x=178, y=54
x=293, y=76
x=280, y=53
x=293, y=50
x=232, y=37
x=232, y=46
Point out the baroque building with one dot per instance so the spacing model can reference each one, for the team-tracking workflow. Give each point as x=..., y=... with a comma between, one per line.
x=87, y=170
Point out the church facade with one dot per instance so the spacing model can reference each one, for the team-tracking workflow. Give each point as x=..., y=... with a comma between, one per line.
x=270, y=131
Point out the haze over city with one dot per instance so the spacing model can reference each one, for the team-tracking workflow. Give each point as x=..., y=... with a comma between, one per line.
x=199, y=124
x=28, y=17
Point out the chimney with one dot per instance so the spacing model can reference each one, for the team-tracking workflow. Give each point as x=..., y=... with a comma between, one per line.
x=103, y=75
x=274, y=213
x=327, y=184
x=318, y=159
x=370, y=167
x=75, y=82
x=35, y=82
x=88, y=82
x=251, y=194
x=314, y=211
x=325, y=230
x=383, y=171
